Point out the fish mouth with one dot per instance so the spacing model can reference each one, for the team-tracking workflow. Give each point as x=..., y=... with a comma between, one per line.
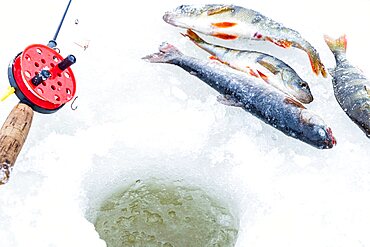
x=305, y=99
x=174, y=20
x=331, y=142
x=301, y=91
x=169, y=18
x=172, y=16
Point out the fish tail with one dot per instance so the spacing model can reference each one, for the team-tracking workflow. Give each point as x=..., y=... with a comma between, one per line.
x=316, y=64
x=336, y=45
x=167, y=53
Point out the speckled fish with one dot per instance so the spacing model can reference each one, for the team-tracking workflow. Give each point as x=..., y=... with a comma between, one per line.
x=263, y=101
x=272, y=70
x=230, y=22
x=351, y=87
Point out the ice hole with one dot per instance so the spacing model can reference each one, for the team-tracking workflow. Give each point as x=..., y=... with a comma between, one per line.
x=163, y=213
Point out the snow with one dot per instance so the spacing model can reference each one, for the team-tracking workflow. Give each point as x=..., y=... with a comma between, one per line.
x=137, y=120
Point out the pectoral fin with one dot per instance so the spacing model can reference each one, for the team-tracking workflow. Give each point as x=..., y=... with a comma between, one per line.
x=224, y=24
x=269, y=66
x=229, y=100
x=225, y=36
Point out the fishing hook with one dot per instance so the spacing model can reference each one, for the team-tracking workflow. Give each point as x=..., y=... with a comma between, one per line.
x=72, y=107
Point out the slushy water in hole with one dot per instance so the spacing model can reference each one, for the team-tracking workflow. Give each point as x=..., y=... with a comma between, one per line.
x=159, y=213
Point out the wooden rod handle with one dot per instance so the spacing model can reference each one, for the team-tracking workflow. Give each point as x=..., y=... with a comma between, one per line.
x=13, y=134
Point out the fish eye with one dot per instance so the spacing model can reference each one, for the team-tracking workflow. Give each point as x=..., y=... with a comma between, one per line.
x=304, y=84
x=322, y=133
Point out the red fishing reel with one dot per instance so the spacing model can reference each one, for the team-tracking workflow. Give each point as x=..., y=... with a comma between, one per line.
x=42, y=78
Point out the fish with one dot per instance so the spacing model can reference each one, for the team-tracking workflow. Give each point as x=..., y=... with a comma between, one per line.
x=231, y=22
x=351, y=87
x=270, y=69
x=261, y=100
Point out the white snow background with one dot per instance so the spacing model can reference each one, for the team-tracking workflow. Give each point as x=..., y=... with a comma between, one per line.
x=137, y=120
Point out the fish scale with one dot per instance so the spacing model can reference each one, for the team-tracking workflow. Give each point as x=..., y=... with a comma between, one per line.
x=248, y=24
x=270, y=105
x=270, y=69
x=350, y=86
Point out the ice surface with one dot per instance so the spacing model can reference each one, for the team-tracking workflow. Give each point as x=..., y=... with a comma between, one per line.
x=136, y=120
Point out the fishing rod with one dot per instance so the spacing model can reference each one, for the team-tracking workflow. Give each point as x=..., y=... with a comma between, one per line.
x=44, y=82
x=61, y=22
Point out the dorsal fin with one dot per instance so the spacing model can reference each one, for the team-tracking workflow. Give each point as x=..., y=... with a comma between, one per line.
x=219, y=10
x=269, y=66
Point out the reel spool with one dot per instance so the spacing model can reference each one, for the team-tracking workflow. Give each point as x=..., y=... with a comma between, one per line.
x=42, y=78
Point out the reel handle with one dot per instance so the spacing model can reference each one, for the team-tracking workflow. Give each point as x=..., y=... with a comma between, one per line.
x=67, y=62
x=13, y=134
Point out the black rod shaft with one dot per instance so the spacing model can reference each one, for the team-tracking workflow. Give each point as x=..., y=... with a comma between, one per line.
x=61, y=22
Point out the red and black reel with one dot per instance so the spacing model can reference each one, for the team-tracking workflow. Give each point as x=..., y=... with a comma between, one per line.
x=42, y=78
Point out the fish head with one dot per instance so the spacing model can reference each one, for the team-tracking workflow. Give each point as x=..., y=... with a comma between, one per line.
x=202, y=18
x=296, y=86
x=318, y=133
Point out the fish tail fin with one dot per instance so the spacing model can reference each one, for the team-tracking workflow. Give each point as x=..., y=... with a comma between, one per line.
x=193, y=37
x=336, y=45
x=316, y=64
x=167, y=53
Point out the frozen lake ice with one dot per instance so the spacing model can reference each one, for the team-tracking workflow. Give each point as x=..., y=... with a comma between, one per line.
x=137, y=120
